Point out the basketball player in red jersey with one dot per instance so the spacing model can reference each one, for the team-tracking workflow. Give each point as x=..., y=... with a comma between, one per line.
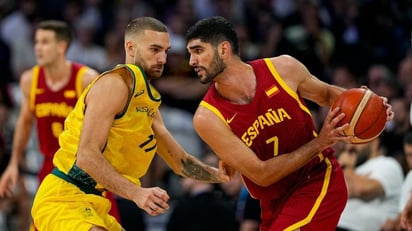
x=50, y=90
x=255, y=119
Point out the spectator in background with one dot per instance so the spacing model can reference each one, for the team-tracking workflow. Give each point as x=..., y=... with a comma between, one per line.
x=113, y=45
x=395, y=131
x=14, y=211
x=344, y=24
x=203, y=207
x=17, y=32
x=247, y=211
x=249, y=49
x=406, y=197
x=381, y=80
x=307, y=38
x=85, y=50
x=383, y=28
x=404, y=77
x=344, y=76
x=374, y=182
x=405, y=80
x=394, y=223
x=7, y=76
x=247, y=208
x=232, y=188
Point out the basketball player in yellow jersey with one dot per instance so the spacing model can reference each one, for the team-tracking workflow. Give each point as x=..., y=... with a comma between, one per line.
x=110, y=139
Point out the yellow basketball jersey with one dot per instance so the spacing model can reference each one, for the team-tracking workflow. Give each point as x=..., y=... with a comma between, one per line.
x=131, y=144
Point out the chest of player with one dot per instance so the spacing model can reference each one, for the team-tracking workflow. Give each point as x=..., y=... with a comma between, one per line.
x=47, y=103
x=277, y=122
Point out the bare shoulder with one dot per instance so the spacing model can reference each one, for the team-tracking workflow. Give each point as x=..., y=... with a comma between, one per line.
x=292, y=71
x=204, y=118
x=286, y=63
x=201, y=115
x=109, y=90
x=111, y=80
x=89, y=75
x=25, y=81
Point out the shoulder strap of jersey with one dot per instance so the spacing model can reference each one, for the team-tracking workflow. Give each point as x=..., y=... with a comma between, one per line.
x=33, y=87
x=214, y=110
x=79, y=80
x=284, y=86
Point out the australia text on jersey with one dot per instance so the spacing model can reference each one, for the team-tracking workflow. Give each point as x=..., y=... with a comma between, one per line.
x=150, y=111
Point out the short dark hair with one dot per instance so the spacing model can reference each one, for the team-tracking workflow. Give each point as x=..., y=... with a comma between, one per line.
x=141, y=24
x=214, y=30
x=61, y=29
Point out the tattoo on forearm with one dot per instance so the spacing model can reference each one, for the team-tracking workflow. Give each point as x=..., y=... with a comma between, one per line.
x=195, y=171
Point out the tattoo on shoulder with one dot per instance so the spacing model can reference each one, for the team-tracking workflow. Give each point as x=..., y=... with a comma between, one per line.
x=195, y=171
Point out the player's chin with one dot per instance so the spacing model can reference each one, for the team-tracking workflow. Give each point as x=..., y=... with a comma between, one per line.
x=156, y=74
x=205, y=79
x=40, y=62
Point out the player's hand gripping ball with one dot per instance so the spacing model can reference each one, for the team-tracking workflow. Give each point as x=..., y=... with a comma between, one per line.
x=365, y=113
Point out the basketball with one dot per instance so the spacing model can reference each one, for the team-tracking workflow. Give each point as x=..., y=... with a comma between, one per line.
x=365, y=113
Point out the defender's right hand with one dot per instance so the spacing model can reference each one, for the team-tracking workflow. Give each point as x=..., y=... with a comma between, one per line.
x=152, y=200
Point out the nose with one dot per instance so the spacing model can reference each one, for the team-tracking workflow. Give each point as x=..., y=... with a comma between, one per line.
x=162, y=58
x=192, y=61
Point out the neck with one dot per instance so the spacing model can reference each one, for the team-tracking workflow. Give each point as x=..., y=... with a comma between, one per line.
x=237, y=83
x=57, y=76
x=57, y=70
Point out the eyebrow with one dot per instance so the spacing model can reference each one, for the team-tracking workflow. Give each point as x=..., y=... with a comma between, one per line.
x=195, y=47
x=159, y=46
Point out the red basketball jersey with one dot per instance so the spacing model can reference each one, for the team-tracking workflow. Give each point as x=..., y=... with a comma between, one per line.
x=275, y=122
x=51, y=108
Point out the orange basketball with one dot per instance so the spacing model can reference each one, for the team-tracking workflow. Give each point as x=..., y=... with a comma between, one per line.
x=365, y=113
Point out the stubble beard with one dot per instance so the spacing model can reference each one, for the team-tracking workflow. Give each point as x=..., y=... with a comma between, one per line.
x=149, y=71
x=216, y=67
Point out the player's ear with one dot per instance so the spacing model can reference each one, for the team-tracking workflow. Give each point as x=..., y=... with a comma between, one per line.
x=224, y=48
x=130, y=48
x=62, y=46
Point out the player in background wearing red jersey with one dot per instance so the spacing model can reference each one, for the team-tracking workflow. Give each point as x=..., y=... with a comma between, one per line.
x=50, y=90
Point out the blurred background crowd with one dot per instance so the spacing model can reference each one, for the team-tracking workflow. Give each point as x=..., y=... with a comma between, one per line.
x=345, y=42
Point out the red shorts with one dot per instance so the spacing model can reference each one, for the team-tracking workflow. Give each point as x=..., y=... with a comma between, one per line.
x=316, y=203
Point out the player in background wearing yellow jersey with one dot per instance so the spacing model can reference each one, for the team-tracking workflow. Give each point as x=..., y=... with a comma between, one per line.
x=110, y=139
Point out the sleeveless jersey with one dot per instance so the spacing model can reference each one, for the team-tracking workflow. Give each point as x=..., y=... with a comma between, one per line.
x=50, y=109
x=275, y=122
x=131, y=143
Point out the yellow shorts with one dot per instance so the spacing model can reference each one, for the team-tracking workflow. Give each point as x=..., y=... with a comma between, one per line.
x=60, y=205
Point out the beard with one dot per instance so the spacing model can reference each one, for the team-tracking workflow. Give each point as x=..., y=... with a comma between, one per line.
x=216, y=67
x=154, y=71
x=151, y=71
